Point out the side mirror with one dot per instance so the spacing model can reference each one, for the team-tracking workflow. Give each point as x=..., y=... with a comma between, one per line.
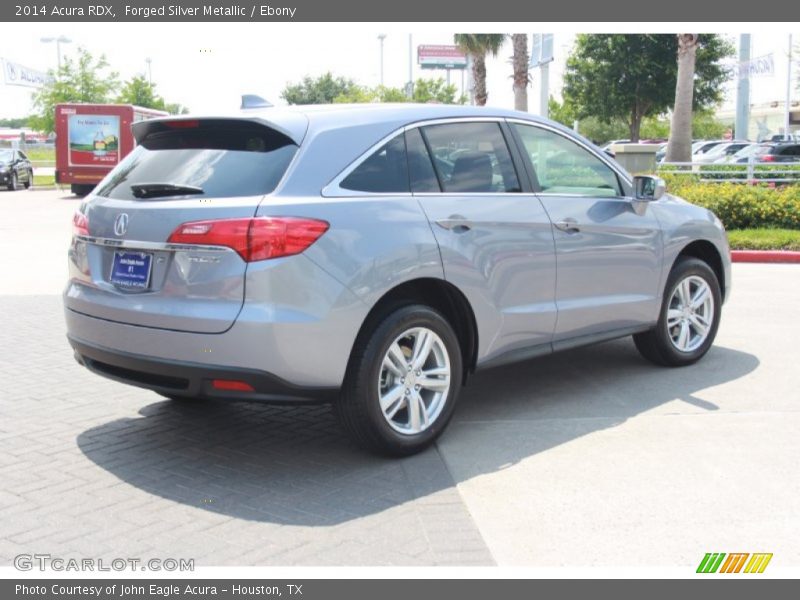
x=648, y=187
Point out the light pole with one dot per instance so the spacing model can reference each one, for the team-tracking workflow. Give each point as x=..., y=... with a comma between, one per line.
x=62, y=39
x=381, y=37
x=788, y=108
x=149, y=62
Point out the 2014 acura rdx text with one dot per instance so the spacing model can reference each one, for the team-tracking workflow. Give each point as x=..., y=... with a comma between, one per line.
x=374, y=256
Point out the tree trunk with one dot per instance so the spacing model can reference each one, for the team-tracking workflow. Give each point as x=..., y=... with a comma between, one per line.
x=634, y=126
x=479, y=77
x=679, y=146
x=520, y=62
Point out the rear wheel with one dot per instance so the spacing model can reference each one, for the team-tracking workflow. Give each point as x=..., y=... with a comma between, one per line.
x=402, y=382
x=689, y=318
x=80, y=189
x=29, y=180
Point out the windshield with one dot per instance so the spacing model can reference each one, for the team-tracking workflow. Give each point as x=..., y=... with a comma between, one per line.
x=208, y=160
x=5, y=155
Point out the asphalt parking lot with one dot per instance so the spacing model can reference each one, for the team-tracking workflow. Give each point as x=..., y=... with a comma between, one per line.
x=592, y=457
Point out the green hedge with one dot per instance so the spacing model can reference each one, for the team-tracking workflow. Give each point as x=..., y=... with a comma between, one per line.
x=764, y=239
x=742, y=206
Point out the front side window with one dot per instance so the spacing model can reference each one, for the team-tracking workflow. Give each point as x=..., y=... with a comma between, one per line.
x=383, y=172
x=563, y=167
x=471, y=158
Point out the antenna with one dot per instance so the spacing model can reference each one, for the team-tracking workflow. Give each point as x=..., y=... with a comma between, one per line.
x=253, y=101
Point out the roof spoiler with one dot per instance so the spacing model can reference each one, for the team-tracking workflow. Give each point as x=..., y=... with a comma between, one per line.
x=253, y=101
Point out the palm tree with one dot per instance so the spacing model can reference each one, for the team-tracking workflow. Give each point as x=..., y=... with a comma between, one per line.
x=679, y=146
x=477, y=46
x=519, y=61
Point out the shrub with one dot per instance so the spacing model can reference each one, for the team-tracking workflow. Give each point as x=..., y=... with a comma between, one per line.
x=742, y=206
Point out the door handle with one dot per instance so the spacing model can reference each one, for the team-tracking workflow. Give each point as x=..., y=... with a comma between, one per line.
x=456, y=225
x=567, y=225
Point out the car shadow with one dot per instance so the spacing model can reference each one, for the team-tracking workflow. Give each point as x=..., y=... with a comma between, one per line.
x=292, y=465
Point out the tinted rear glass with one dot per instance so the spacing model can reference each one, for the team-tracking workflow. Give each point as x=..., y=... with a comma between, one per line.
x=225, y=159
x=384, y=172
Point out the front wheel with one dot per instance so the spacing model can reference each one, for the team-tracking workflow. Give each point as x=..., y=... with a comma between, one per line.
x=13, y=183
x=402, y=382
x=689, y=317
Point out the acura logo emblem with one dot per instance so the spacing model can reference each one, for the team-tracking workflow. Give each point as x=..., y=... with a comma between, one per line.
x=121, y=224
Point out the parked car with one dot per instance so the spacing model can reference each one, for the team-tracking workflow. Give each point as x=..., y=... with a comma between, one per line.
x=743, y=155
x=15, y=169
x=700, y=148
x=776, y=152
x=720, y=151
x=375, y=256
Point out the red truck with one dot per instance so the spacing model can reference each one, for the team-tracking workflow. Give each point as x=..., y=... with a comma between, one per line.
x=92, y=138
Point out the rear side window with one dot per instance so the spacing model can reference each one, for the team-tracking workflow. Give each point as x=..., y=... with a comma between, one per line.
x=383, y=172
x=471, y=158
x=420, y=167
x=220, y=158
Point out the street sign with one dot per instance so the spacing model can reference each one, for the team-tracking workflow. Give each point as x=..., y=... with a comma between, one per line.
x=763, y=66
x=17, y=74
x=541, y=49
x=438, y=56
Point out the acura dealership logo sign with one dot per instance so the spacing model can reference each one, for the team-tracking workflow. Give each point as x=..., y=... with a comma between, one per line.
x=121, y=224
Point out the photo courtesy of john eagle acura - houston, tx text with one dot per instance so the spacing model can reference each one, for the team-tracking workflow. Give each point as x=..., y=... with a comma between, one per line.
x=374, y=256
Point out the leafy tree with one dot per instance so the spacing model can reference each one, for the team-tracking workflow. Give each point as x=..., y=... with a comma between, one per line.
x=630, y=77
x=519, y=61
x=14, y=123
x=425, y=91
x=321, y=90
x=478, y=46
x=85, y=79
x=139, y=92
x=436, y=91
x=704, y=125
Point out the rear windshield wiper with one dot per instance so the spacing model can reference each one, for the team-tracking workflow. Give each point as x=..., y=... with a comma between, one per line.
x=156, y=190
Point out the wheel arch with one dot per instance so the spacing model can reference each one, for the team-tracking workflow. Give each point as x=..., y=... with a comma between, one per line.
x=440, y=295
x=707, y=252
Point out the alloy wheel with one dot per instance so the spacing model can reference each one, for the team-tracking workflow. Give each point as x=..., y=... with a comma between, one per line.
x=690, y=314
x=414, y=381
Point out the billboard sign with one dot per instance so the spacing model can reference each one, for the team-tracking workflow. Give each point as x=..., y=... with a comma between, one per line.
x=17, y=74
x=93, y=140
x=433, y=56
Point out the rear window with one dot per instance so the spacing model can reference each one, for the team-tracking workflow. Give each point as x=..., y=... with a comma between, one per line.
x=222, y=158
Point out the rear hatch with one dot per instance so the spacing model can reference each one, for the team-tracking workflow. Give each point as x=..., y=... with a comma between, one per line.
x=126, y=263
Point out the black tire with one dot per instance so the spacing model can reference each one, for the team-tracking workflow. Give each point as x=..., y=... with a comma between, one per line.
x=13, y=183
x=81, y=189
x=29, y=181
x=358, y=408
x=656, y=345
x=177, y=398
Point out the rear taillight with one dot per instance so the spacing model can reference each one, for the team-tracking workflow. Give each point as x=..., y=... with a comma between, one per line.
x=80, y=224
x=768, y=158
x=253, y=239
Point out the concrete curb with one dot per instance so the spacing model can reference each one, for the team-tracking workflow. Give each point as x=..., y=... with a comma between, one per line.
x=765, y=256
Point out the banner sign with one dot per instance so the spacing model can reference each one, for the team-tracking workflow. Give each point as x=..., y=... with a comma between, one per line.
x=93, y=140
x=17, y=74
x=440, y=56
x=763, y=66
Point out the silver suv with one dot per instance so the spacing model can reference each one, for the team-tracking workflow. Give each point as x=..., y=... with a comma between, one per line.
x=374, y=256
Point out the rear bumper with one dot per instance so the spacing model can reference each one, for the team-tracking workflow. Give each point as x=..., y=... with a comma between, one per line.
x=174, y=378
